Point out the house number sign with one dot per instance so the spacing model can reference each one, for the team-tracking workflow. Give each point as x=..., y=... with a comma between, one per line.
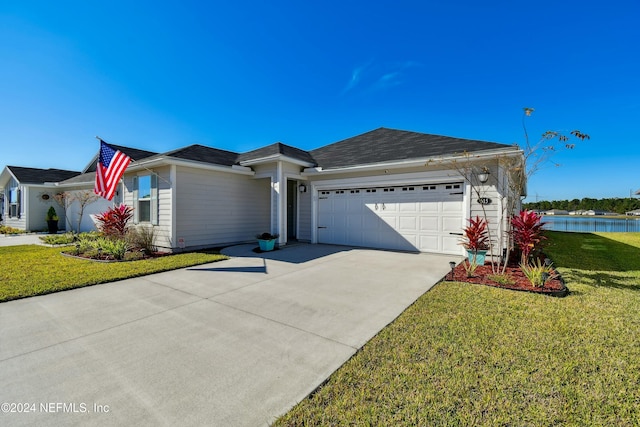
x=484, y=201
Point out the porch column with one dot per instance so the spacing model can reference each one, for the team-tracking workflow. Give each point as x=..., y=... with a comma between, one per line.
x=279, y=204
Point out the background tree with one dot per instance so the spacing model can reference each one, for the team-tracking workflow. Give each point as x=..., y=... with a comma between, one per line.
x=511, y=185
x=68, y=198
x=84, y=198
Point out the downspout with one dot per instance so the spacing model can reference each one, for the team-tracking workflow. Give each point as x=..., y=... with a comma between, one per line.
x=174, y=207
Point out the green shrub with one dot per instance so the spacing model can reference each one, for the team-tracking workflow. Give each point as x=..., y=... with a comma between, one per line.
x=503, y=279
x=470, y=267
x=117, y=248
x=536, y=272
x=89, y=235
x=51, y=214
x=59, y=239
x=143, y=238
x=115, y=221
x=528, y=234
x=4, y=229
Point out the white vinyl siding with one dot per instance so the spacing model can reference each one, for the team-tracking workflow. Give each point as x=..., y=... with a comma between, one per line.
x=216, y=207
x=161, y=200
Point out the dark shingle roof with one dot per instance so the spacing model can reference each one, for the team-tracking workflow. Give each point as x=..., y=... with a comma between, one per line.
x=134, y=153
x=385, y=145
x=85, y=178
x=204, y=154
x=275, y=149
x=40, y=176
x=376, y=146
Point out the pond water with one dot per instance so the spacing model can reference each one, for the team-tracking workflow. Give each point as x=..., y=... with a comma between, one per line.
x=589, y=224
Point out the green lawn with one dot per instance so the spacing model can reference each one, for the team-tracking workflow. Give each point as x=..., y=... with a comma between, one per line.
x=474, y=355
x=34, y=270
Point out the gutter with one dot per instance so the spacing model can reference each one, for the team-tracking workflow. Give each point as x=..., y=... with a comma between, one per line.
x=488, y=154
x=167, y=161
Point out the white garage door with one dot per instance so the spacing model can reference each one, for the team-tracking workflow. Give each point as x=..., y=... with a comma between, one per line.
x=417, y=217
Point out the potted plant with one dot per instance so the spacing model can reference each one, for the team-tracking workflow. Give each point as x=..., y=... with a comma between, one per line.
x=52, y=220
x=267, y=241
x=476, y=240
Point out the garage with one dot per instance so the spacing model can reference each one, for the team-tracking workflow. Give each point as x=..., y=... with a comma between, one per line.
x=426, y=218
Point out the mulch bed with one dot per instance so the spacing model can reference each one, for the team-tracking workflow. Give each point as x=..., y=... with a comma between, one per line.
x=482, y=276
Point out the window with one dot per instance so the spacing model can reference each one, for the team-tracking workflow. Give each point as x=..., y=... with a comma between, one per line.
x=146, y=199
x=14, y=201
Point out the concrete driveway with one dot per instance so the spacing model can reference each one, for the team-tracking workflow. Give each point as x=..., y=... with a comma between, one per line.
x=233, y=343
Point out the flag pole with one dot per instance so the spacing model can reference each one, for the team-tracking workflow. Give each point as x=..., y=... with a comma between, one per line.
x=138, y=164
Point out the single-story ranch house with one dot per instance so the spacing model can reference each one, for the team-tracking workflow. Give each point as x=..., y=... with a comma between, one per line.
x=386, y=188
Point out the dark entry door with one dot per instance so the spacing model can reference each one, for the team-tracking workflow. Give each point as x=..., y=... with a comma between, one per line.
x=292, y=209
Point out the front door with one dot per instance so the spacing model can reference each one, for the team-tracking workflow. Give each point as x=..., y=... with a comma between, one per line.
x=292, y=210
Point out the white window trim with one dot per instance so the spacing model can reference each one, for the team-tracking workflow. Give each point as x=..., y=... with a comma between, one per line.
x=153, y=200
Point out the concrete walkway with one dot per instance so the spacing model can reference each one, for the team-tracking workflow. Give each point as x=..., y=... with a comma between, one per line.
x=233, y=343
x=20, y=239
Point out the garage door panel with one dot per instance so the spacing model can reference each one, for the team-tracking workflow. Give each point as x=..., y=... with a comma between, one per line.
x=451, y=224
x=408, y=223
x=393, y=218
x=452, y=206
x=429, y=208
x=409, y=207
x=370, y=220
x=429, y=224
x=429, y=243
x=451, y=244
x=390, y=221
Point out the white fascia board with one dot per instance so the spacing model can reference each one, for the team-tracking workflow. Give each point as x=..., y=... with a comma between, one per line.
x=276, y=158
x=167, y=161
x=6, y=175
x=45, y=185
x=73, y=184
x=480, y=155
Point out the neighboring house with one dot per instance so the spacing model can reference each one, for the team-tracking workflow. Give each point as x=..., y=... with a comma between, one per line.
x=85, y=182
x=386, y=188
x=597, y=212
x=635, y=212
x=29, y=192
x=556, y=212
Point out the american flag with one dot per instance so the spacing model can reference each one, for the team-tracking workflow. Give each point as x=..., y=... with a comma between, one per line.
x=111, y=165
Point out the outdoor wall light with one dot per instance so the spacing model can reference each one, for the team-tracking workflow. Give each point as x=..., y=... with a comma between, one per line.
x=483, y=176
x=302, y=188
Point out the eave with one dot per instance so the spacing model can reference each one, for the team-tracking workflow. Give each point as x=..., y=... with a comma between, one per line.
x=166, y=161
x=276, y=158
x=409, y=163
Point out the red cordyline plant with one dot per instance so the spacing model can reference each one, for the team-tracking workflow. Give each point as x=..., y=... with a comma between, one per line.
x=114, y=222
x=476, y=235
x=527, y=233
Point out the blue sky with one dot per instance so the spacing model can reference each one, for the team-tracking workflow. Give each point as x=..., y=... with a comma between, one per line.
x=240, y=75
